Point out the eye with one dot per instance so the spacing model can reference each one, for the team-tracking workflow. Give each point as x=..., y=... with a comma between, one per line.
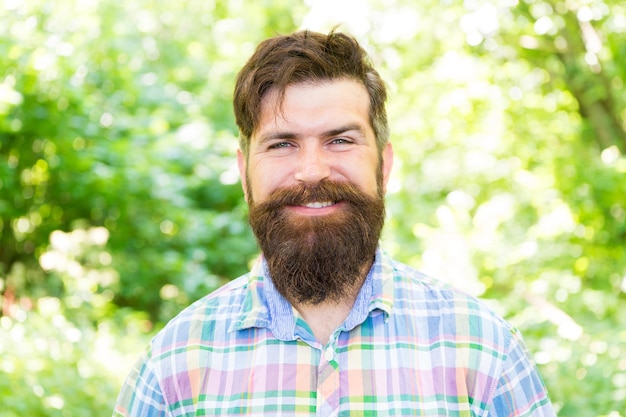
x=341, y=141
x=280, y=145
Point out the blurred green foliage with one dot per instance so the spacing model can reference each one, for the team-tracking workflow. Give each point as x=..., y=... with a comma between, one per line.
x=120, y=201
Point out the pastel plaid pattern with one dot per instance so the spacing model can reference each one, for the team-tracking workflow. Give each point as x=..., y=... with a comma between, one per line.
x=411, y=346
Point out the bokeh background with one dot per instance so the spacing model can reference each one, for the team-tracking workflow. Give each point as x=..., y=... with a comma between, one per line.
x=120, y=200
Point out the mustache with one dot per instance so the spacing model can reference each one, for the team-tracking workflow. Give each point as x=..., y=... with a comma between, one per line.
x=325, y=190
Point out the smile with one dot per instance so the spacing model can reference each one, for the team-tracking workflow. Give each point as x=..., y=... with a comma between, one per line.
x=319, y=204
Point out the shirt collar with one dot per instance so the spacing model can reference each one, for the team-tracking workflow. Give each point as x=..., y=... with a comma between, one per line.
x=265, y=307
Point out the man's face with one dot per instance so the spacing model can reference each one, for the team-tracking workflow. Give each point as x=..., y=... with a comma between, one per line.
x=315, y=181
x=322, y=131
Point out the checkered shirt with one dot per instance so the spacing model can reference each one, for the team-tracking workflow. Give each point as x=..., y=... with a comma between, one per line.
x=411, y=346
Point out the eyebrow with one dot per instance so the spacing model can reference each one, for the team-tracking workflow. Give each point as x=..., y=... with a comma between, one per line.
x=352, y=127
x=329, y=133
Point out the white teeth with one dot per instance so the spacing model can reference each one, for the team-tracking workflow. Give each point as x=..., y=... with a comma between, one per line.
x=319, y=204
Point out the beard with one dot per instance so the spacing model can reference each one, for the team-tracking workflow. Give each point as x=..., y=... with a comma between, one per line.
x=312, y=259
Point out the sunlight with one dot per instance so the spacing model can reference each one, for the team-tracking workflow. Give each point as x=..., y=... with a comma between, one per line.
x=351, y=15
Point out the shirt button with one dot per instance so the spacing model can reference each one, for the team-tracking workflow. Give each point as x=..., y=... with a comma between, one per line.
x=329, y=354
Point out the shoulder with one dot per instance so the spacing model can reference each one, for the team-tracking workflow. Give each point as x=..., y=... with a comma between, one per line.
x=211, y=314
x=452, y=310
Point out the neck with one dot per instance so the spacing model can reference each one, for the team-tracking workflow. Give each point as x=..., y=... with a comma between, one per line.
x=325, y=317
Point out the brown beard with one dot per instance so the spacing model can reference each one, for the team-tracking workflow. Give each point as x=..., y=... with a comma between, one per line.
x=313, y=259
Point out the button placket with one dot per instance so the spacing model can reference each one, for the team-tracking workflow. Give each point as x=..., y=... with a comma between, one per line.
x=328, y=393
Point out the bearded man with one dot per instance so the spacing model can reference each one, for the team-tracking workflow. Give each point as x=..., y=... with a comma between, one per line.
x=326, y=323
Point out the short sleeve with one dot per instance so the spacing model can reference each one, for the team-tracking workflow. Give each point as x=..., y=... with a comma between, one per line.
x=520, y=391
x=141, y=394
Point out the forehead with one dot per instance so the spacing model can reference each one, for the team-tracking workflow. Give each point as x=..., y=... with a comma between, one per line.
x=315, y=103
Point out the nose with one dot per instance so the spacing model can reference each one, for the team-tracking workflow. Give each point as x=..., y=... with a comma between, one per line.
x=313, y=165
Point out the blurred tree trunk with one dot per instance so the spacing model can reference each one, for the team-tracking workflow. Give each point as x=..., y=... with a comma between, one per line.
x=589, y=83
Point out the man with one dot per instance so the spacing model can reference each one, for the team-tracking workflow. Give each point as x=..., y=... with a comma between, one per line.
x=325, y=323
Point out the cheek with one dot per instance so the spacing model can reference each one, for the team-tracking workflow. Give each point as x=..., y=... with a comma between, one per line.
x=365, y=176
x=260, y=184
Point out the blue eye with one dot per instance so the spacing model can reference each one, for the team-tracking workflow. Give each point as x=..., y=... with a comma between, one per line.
x=280, y=145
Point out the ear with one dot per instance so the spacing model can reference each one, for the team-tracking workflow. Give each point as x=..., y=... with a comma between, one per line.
x=387, y=164
x=242, y=165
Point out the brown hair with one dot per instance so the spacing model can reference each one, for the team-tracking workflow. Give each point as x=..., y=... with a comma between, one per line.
x=303, y=57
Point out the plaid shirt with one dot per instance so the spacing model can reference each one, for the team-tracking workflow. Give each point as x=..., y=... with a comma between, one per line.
x=410, y=346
